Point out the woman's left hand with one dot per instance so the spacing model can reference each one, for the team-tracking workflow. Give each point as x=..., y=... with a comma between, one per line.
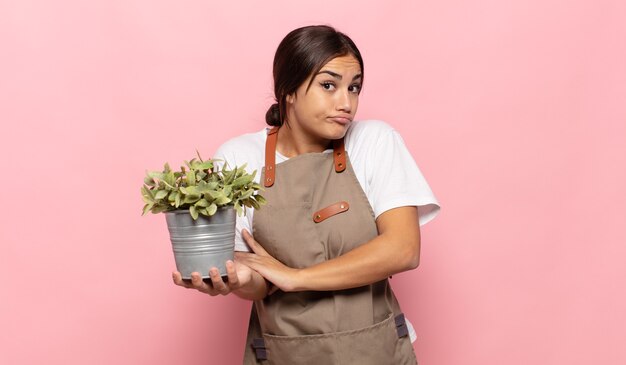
x=276, y=272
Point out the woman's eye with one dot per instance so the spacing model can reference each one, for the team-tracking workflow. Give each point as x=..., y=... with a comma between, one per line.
x=355, y=88
x=327, y=85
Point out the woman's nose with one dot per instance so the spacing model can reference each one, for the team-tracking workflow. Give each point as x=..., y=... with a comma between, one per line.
x=344, y=101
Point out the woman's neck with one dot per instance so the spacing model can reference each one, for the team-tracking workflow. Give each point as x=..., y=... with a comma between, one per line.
x=293, y=142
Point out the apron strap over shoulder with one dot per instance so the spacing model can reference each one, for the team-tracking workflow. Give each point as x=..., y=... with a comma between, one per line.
x=339, y=156
x=270, y=157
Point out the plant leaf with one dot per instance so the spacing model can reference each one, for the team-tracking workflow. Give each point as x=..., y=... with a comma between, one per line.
x=147, y=195
x=212, y=209
x=159, y=208
x=160, y=194
x=259, y=198
x=146, y=208
x=149, y=181
x=222, y=200
x=238, y=208
x=243, y=180
x=190, y=199
x=190, y=190
x=191, y=178
x=177, y=200
x=170, y=179
x=194, y=212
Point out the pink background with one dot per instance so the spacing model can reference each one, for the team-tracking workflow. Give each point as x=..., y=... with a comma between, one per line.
x=514, y=110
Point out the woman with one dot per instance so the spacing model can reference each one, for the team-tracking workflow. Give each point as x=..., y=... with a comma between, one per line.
x=342, y=216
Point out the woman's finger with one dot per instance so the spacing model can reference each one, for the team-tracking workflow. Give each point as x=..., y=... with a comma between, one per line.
x=218, y=284
x=178, y=280
x=254, y=245
x=199, y=284
x=233, y=279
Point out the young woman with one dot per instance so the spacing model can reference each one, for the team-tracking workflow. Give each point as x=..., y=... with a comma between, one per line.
x=342, y=216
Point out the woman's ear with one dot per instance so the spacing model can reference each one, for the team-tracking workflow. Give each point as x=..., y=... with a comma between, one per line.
x=290, y=98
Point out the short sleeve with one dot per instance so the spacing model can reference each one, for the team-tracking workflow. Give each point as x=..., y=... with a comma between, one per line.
x=395, y=180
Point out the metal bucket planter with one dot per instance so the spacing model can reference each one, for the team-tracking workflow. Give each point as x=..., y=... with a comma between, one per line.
x=204, y=243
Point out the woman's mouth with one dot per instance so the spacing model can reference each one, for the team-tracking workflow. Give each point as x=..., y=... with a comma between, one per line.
x=341, y=119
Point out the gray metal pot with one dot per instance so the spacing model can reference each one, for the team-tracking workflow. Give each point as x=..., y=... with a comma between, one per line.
x=204, y=243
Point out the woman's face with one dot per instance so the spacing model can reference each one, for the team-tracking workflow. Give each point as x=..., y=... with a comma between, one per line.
x=325, y=111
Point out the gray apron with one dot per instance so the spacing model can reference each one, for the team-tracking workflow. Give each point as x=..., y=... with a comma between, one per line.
x=316, y=210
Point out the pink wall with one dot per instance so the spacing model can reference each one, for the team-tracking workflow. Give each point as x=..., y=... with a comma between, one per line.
x=515, y=111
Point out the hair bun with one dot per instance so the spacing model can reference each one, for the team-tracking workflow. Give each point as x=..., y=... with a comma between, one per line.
x=272, y=117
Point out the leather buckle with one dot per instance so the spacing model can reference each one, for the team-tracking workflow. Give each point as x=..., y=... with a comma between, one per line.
x=401, y=327
x=258, y=344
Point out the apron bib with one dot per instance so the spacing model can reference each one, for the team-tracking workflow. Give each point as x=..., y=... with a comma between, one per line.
x=316, y=210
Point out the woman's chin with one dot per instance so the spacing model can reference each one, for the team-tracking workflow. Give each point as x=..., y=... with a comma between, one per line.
x=337, y=130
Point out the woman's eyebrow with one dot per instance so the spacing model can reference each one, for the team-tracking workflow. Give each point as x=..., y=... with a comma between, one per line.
x=338, y=76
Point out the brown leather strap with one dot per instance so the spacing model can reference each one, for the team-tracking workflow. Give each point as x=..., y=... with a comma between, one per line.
x=330, y=210
x=270, y=157
x=339, y=155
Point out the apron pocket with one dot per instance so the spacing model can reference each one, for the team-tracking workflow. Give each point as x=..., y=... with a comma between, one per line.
x=372, y=345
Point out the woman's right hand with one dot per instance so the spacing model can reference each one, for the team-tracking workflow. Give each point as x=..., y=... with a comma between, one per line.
x=240, y=277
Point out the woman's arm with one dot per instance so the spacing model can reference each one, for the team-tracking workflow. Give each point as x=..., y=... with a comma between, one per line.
x=394, y=250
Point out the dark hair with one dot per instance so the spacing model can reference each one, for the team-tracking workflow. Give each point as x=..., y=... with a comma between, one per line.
x=303, y=52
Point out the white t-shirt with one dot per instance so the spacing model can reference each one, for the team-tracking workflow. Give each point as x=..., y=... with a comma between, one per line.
x=383, y=166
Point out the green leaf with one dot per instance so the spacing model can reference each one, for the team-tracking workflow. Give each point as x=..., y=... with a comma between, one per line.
x=190, y=199
x=147, y=195
x=160, y=194
x=194, y=212
x=159, y=209
x=155, y=175
x=228, y=191
x=149, y=181
x=229, y=176
x=238, y=208
x=260, y=199
x=247, y=194
x=177, y=200
x=189, y=190
x=202, y=203
x=169, y=179
x=172, y=196
x=146, y=208
x=213, y=194
x=244, y=180
x=212, y=209
x=191, y=178
x=203, y=187
x=222, y=200
x=206, y=165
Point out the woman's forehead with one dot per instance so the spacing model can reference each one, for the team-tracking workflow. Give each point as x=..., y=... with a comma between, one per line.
x=343, y=64
x=348, y=63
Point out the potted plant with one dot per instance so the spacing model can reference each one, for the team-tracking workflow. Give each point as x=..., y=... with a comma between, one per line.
x=200, y=202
